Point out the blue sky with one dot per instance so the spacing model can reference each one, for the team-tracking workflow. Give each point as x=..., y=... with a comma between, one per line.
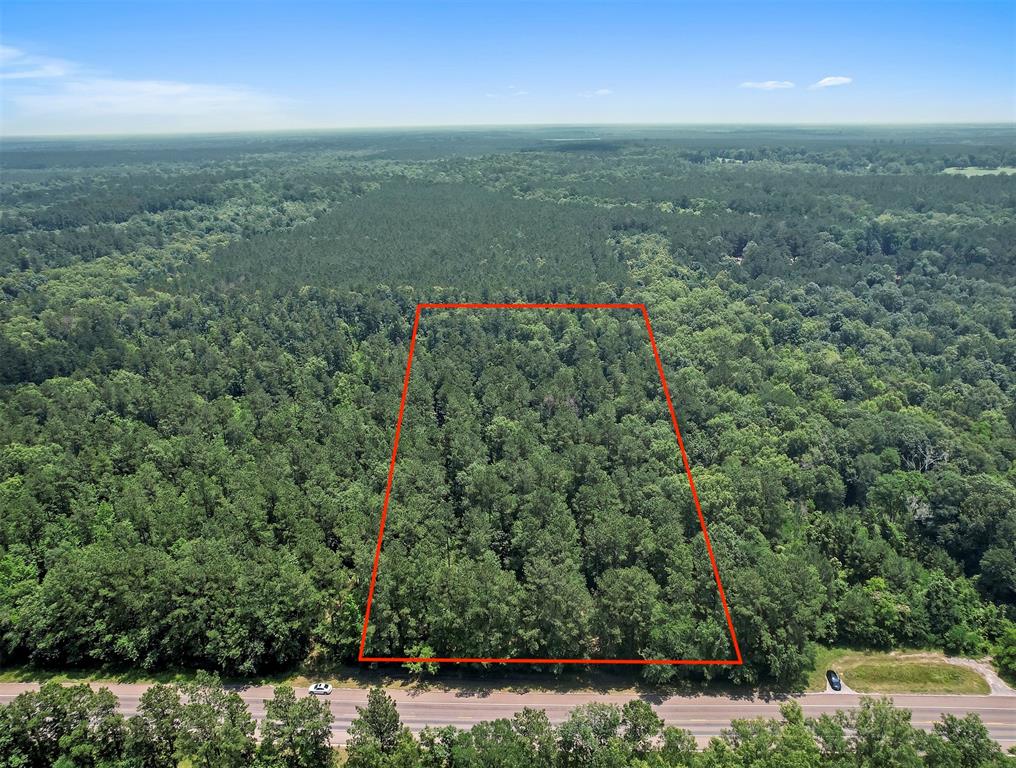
x=147, y=66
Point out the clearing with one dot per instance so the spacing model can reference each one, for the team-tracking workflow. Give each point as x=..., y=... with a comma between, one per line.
x=896, y=672
x=974, y=171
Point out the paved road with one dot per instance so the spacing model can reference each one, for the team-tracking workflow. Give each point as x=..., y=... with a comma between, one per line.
x=704, y=716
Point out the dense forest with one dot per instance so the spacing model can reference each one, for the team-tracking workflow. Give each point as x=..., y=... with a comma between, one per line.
x=202, y=351
x=564, y=526
x=202, y=725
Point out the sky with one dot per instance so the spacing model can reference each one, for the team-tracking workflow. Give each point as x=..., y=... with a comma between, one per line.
x=91, y=67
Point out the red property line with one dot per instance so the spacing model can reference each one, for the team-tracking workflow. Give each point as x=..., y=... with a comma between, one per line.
x=684, y=458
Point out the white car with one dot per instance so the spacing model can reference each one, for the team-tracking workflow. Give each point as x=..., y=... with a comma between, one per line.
x=320, y=689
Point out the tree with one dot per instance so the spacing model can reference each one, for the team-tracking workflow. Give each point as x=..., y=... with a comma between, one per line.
x=557, y=610
x=883, y=736
x=339, y=630
x=296, y=733
x=525, y=741
x=679, y=747
x=626, y=603
x=640, y=725
x=1005, y=651
x=796, y=746
x=376, y=726
x=952, y=605
x=833, y=742
x=216, y=729
x=473, y=607
x=18, y=579
x=777, y=605
x=589, y=730
x=437, y=747
x=62, y=725
x=152, y=733
x=998, y=573
x=421, y=668
x=961, y=742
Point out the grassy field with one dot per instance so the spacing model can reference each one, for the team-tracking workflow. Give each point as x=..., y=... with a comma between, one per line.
x=971, y=171
x=896, y=672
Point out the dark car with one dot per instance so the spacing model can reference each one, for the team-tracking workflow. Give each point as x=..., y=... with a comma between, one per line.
x=834, y=680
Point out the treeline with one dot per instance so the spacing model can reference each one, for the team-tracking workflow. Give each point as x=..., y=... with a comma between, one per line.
x=596, y=735
x=202, y=725
x=198, y=724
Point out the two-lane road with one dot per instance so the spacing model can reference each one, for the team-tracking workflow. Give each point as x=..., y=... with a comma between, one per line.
x=704, y=716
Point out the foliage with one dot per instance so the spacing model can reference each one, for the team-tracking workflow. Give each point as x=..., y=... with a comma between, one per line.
x=75, y=726
x=202, y=348
x=605, y=735
x=377, y=726
x=198, y=724
x=49, y=726
x=1005, y=652
x=296, y=732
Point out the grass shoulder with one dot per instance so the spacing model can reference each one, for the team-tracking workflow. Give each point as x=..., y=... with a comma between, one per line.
x=113, y=675
x=902, y=671
x=354, y=677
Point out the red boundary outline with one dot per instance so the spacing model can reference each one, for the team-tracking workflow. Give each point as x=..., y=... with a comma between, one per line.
x=684, y=458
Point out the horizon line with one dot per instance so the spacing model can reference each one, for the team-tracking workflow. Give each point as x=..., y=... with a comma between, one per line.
x=408, y=127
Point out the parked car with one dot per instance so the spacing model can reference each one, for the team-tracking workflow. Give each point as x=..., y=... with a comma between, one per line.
x=320, y=689
x=834, y=680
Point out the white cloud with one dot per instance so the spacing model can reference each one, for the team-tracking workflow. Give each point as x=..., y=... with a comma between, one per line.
x=827, y=82
x=599, y=93
x=103, y=96
x=768, y=85
x=7, y=53
x=512, y=90
x=45, y=95
x=51, y=69
x=15, y=64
